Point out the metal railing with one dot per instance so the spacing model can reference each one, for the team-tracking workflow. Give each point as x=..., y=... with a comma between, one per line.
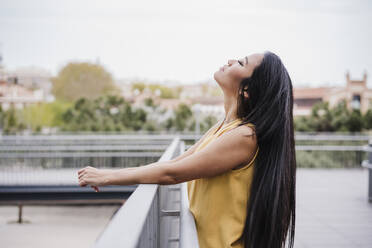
x=33, y=158
x=154, y=216
x=368, y=164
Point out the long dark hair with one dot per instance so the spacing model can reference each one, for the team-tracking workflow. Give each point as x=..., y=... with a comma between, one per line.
x=271, y=208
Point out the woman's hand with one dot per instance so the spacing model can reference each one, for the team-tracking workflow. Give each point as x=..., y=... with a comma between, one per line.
x=93, y=177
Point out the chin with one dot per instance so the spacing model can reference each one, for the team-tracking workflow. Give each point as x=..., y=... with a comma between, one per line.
x=217, y=76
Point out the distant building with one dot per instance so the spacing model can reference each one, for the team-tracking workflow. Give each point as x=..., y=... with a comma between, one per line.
x=17, y=96
x=210, y=105
x=192, y=90
x=191, y=95
x=356, y=93
x=23, y=87
x=171, y=103
x=33, y=78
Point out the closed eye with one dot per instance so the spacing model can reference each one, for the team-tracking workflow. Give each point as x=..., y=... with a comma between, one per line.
x=240, y=63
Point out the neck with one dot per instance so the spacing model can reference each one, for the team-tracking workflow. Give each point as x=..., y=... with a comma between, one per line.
x=230, y=105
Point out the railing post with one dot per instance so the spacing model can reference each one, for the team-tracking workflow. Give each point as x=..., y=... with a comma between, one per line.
x=158, y=226
x=370, y=171
x=188, y=234
x=368, y=164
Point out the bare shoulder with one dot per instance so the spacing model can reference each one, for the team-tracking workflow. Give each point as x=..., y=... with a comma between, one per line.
x=243, y=134
x=248, y=139
x=240, y=140
x=246, y=131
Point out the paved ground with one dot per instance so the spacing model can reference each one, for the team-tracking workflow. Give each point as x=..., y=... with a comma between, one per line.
x=53, y=226
x=332, y=211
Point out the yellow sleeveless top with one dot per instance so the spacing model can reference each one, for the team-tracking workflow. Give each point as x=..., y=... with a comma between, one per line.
x=219, y=204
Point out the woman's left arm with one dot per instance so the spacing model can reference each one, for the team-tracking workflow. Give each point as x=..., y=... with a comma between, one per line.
x=126, y=176
x=231, y=149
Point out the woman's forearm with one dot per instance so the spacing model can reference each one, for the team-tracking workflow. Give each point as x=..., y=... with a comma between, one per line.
x=154, y=173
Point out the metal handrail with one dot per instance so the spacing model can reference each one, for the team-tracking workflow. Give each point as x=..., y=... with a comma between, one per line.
x=88, y=137
x=331, y=137
x=48, y=148
x=79, y=154
x=366, y=164
x=329, y=148
x=127, y=227
x=165, y=136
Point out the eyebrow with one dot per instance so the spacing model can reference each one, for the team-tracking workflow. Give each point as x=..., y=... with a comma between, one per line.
x=246, y=59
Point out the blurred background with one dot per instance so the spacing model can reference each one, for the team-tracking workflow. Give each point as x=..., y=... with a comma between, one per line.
x=112, y=83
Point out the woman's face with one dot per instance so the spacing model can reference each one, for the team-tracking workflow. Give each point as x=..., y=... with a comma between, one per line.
x=230, y=75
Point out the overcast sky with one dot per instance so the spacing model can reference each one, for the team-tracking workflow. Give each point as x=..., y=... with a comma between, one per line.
x=188, y=40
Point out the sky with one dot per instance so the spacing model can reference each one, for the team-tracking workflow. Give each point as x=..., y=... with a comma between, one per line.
x=186, y=41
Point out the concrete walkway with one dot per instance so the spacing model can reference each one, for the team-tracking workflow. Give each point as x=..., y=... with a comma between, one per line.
x=332, y=209
x=53, y=226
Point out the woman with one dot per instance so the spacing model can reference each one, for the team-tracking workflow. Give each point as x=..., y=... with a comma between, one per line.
x=241, y=173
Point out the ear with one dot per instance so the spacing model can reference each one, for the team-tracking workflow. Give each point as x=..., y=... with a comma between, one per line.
x=246, y=95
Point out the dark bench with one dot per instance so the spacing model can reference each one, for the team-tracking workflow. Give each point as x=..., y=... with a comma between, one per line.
x=21, y=195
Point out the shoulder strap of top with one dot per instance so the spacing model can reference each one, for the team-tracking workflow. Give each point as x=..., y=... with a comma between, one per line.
x=249, y=124
x=219, y=127
x=225, y=127
x=228, y=126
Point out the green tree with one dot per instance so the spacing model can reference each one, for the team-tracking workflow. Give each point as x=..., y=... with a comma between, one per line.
x=208, y=122
x=10, y=121
x=182, y=116
x=140, y=86
x=149, y=102
x=368, y=119
x=178, y=90
x=321, y=117
x=44, y=114
x=108, y=113
x=1, y=117
x=82, y=80
x=338, y=118
x=166, y=92
x=301, y=124
x=355, y=122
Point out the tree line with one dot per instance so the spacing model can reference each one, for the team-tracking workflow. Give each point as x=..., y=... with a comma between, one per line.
x=113, y=113
x=88, y=100
x=104, y=114
x=340, y=118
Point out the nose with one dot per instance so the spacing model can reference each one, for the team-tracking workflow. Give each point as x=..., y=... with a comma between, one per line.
x=231, y=61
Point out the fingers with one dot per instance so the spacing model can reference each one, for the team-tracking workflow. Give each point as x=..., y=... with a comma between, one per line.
x=82, y=180
x=83, y=169
x=82, y=183
x=95, y=188
x=82, y=174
